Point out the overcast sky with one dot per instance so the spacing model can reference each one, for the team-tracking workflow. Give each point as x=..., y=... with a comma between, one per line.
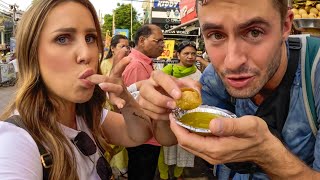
x=104, y=6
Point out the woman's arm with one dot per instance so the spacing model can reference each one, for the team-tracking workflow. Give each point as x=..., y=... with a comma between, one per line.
x=130, y=128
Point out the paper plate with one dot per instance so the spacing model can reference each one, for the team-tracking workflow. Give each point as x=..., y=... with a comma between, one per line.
x=178, y=113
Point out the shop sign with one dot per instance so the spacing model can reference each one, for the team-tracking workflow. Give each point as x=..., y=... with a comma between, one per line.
x=124, y=32
x=166, y=4
x=168, y=49
x=187, y=10
x=165, y=16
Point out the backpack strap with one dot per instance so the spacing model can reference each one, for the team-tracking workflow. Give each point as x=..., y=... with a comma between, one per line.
x=310, y=55
x=45, y=156
x=312, y=60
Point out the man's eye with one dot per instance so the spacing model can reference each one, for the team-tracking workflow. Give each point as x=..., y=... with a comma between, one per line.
x=255, y=33
x=218, y=36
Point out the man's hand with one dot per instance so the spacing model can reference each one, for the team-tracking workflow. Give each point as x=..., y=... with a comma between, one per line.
x=244, y=139
x=232, y=140
x=159, y=92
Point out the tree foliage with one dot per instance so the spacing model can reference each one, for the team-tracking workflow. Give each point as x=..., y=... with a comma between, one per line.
x=122, y=19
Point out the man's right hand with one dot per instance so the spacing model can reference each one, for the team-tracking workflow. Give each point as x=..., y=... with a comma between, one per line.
x=159, y=92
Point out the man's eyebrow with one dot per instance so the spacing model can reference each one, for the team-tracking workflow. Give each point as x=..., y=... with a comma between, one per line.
x=207, y=26
x=254, y=21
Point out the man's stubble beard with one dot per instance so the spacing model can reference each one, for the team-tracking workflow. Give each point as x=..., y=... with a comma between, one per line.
x=257, y=85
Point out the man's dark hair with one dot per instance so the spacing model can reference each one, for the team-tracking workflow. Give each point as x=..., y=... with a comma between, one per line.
x=281, y=5
x=144, y=31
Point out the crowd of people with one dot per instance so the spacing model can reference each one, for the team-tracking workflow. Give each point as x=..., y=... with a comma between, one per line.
x=59, y=127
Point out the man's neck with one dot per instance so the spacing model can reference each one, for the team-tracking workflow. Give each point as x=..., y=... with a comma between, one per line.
x=140, y=49
x=276, y=79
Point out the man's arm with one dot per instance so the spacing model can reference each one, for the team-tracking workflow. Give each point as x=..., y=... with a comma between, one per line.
x=244, y=139
x=234, y=140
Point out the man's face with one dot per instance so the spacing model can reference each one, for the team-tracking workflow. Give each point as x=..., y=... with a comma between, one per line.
x=243, y=39
x=154, y=44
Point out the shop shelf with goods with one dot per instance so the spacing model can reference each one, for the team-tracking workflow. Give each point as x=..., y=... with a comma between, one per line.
x=306, y=16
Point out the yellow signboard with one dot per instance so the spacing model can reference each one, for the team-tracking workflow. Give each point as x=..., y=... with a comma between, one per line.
x=168, y=49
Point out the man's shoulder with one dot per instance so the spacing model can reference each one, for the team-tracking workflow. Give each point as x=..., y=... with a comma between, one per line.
x=134, y=64
x=210, y=76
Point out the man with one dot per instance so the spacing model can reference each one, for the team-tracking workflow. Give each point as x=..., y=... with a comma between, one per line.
x=251, y=61
x=149, y=44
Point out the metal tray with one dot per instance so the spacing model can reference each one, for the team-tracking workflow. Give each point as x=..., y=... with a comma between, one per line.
x=178, y=113
x=301, y=24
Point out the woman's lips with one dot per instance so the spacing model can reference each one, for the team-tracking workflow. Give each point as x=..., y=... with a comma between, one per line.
x=239, y=82
x=84, y=82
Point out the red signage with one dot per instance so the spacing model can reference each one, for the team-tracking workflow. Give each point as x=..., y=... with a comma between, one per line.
x=187, y=10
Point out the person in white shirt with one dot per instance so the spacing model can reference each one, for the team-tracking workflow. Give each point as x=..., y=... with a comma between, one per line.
x=60, y=97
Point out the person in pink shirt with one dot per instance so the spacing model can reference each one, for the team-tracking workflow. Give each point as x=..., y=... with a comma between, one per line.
x=149, y=42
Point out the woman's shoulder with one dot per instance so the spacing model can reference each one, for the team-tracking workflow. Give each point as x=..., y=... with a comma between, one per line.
x=19, y=154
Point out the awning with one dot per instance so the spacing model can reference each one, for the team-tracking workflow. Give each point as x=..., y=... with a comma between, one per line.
x=184, y=24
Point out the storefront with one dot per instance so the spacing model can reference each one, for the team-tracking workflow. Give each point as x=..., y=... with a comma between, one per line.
x=306, y=17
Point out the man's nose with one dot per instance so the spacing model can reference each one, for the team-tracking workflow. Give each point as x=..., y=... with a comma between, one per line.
x=235, y=55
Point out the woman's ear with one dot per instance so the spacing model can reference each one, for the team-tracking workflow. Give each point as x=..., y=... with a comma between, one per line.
x=178, y=55
x=112, y=49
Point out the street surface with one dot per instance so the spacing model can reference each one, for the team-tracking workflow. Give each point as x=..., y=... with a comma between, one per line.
x=6, y=94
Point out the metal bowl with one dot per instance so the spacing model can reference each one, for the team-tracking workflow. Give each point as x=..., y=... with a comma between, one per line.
x=178, y=113
x=301, y=24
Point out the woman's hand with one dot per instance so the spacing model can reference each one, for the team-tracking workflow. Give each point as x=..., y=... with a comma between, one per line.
x=113, y=83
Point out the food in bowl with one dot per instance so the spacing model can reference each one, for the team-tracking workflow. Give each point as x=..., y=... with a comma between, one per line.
x=190, y=99
x=197, y=120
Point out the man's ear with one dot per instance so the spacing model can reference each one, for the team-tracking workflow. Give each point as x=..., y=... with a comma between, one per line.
x=141, y=40
x=287, y=25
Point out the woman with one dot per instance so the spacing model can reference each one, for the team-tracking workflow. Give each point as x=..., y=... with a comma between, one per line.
x=60, y=97
x=174, y=155
x=117, y=43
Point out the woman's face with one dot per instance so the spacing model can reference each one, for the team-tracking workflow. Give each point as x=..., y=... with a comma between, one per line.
x=68, y=52
x=187, y=56
x=122, y=43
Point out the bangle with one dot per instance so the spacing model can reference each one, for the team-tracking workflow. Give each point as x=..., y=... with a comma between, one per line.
x=132, y=88
x=135, y=94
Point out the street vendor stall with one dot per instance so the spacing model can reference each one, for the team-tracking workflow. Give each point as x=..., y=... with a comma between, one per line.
x=7, y=74
x=306, y=16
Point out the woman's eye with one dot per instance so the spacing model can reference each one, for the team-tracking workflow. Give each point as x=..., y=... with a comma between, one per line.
x=62, y=40
x=91, y=38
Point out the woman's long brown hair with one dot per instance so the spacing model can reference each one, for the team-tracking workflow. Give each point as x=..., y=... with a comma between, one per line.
x=38, y=110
